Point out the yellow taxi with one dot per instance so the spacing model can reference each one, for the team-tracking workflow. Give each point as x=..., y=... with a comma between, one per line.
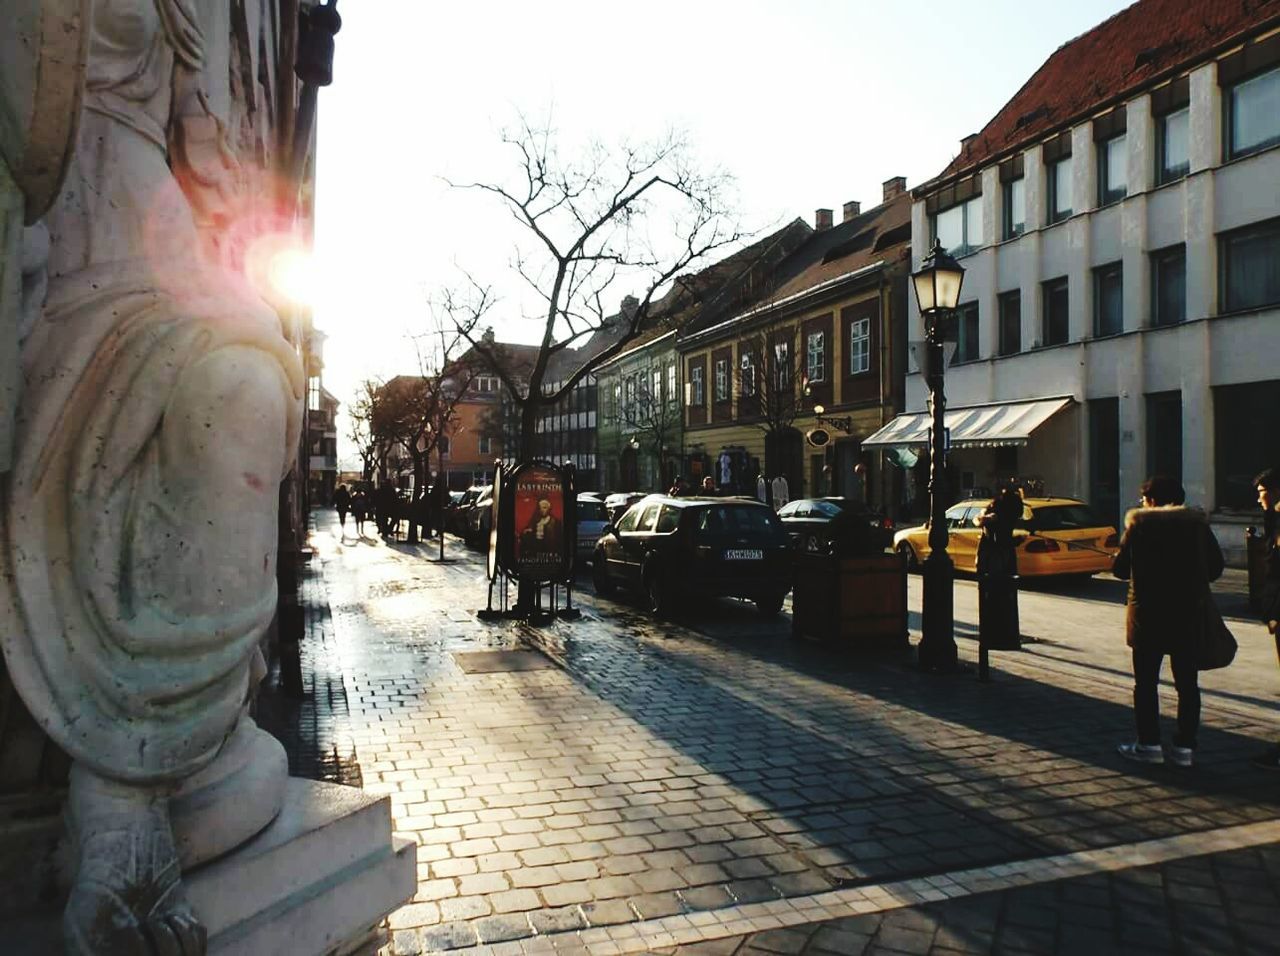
x=1063, y=536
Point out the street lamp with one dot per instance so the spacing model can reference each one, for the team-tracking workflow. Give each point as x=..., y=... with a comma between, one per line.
x=937, y=287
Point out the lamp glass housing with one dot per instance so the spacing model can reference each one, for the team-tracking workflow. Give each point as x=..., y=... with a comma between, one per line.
x=938, y=282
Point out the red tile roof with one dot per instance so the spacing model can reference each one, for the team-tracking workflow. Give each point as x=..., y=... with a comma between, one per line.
x=1144, y=43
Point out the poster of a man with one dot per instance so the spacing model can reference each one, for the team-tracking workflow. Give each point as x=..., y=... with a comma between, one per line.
x=539, y=524
x=542, y=535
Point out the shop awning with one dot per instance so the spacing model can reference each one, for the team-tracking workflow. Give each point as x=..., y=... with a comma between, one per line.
x=979, y=426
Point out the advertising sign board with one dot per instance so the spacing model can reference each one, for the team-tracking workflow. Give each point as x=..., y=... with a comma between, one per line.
x=541, y=543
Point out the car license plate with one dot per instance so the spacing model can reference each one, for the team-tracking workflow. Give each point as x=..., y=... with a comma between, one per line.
x=744, y=554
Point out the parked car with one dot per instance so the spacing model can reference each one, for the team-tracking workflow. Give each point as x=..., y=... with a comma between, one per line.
x=455, y=519
x=809, y=521
x=592, y=519
x=480, y=518
x=676, y=548
x=1062, y=536
x=617, y=503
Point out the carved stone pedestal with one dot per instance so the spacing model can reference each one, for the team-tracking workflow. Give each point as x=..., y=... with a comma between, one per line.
x=318, y=880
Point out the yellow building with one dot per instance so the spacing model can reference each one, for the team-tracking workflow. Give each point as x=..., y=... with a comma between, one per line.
x=830, y=334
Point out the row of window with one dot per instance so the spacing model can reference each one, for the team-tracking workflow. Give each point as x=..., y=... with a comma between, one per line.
x=815, y=364
x=1252, y=124
x=1249, y=278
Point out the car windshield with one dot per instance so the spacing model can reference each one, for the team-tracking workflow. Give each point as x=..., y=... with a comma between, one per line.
x=592, y=511
x=1065, y=518
x=727, y=518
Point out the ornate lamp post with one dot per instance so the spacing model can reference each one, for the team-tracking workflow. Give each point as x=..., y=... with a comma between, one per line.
x=937, y=287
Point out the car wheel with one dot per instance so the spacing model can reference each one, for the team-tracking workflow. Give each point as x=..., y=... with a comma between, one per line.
x=600, y=575
x=659, y=592
x=909, y=553
x=770, y=605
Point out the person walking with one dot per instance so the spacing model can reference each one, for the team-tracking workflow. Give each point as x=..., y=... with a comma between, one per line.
x=342, y=501
x=1267, y=485
x=360, y=509
x=998, y=626
x=1168, y=554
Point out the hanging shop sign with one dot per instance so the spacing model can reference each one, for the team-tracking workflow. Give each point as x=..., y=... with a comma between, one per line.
x=818, y=437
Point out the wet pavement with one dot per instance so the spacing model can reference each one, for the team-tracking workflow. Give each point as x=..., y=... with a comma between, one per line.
x=645, y=787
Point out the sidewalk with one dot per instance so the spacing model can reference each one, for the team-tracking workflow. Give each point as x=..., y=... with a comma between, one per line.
x=643, y=787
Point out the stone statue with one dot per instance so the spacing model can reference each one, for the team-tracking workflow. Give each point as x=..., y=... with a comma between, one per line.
x=158, y=408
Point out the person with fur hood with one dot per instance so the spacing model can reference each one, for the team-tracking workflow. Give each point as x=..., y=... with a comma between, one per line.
x=1168, y=555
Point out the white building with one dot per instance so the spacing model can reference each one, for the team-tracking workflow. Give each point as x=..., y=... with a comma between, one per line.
x=1119, y=224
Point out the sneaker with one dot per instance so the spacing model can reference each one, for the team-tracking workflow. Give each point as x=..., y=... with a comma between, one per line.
x=1180, y=756
x=1142, y=753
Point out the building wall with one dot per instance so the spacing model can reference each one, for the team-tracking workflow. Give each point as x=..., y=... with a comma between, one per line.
x=1207, y=351
x=866, y=398
x=619, y=462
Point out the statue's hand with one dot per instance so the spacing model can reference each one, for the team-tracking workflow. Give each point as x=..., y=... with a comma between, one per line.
x=205, y=167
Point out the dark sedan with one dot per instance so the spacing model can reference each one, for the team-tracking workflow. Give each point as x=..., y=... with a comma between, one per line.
x=674, y=548
x=814, y=522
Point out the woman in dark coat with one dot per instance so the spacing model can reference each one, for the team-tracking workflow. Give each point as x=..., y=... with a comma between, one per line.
x=1168, y=555
x=342, y=501
x=1267, y=485
x=360, y=509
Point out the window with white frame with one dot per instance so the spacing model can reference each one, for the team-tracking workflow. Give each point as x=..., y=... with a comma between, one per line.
x=859, y=346
x=655, y=386
x=671, y=381
x=747, y=374
x=722, y=380
x=816, y=357
x=782, y=363
x=697, y=389
x=487, y=383
x=486, y=445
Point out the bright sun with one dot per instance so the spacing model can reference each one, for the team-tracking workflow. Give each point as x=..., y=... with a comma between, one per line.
x=292, y=274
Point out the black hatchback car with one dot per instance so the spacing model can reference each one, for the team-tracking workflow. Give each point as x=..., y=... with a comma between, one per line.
x=814, y=522
x=674, y=548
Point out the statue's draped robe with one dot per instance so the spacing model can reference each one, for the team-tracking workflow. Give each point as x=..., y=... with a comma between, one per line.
x=132, y=678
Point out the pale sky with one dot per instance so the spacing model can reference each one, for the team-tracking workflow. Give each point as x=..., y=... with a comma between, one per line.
x=809, y=104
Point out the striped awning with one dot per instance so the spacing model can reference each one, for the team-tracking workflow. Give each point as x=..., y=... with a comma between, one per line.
x=979, y=426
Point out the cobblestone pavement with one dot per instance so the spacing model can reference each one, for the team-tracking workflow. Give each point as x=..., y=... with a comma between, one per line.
x=646, y=785
x=314, y=729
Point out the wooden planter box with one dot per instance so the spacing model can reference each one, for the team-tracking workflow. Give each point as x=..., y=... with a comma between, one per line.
x=859, y=602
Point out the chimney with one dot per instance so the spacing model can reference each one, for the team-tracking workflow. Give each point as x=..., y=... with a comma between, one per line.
x=822, y=219
x=487, y=338
x=966, y=140
x=851, y=209
x=629, y=305
x=894, y=187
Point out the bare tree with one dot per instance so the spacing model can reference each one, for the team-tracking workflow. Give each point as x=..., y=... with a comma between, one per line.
x=620, y=218
x=771, y=380
x=360, y=432
x=416, y=412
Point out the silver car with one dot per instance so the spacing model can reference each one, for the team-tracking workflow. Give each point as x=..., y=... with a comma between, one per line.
x=592, y=519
